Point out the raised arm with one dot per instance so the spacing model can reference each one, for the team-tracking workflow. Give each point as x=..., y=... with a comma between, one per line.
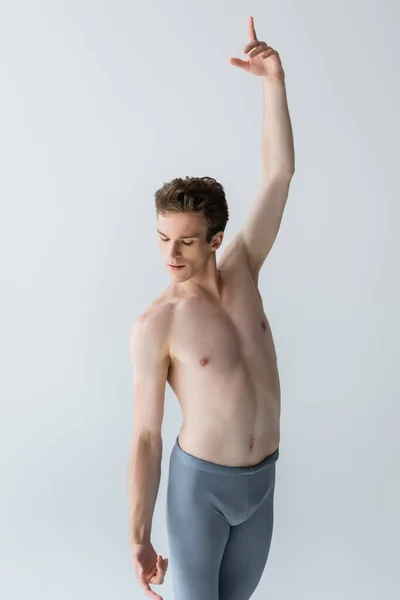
x=277, y=152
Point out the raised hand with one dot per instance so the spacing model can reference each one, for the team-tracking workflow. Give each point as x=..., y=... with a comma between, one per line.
x=263, y=61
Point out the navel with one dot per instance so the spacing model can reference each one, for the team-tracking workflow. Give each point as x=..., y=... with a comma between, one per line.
x=204, y=361
x=263, y=325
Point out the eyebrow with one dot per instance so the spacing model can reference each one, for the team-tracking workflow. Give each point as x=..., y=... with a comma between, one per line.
x=182, y=237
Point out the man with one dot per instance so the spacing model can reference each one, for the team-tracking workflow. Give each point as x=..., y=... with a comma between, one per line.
x=208, y=336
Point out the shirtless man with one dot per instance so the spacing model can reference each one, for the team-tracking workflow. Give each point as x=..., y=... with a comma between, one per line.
x=208, y=336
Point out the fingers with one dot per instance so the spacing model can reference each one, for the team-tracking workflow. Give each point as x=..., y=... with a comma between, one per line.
x=255, y=47
x=250, y=45
x=237, y=62
x=252, y=31
x=165, y=563
x=252, y=49
x=269, y=52
x=156, y=575
x=162, y=566
x=147, y=589
x=153, y=595
x=262, y=51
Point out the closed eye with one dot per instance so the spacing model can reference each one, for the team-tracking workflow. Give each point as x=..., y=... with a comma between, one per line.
x=184, y=243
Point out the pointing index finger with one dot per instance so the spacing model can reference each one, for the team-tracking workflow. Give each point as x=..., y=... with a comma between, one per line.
x=252, y=31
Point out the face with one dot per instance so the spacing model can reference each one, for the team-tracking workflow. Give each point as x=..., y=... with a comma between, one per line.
x=182, y=239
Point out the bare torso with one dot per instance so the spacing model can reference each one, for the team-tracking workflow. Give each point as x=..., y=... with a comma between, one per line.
x=223, y=370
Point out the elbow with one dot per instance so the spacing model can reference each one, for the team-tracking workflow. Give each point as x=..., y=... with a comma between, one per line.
x=150, y=439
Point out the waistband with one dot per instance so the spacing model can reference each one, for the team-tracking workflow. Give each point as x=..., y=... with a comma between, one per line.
x=205, y=465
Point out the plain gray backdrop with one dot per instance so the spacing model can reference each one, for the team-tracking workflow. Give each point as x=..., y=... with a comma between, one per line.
x=101, y=103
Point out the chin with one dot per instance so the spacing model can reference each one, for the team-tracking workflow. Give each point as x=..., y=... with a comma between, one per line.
x=179, y=277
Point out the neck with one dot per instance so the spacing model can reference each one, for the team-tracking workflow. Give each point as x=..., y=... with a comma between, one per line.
x=209, y=280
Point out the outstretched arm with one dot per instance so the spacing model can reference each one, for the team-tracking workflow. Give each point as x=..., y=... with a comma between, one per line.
x=277, y=151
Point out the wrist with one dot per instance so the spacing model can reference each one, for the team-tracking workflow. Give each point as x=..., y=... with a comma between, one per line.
x=139, y=541
x=139, y=537
x=271, y=79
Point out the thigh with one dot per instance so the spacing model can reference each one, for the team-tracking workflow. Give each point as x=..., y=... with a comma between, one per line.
x=246, y=552
x=197, y=535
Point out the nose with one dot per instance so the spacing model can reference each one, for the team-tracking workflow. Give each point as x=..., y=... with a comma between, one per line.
x=174, y=252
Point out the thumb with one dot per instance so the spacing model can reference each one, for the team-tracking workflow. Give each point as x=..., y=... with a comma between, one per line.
x=237, y=62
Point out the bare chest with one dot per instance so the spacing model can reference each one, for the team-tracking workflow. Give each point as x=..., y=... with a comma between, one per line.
x=216, y=337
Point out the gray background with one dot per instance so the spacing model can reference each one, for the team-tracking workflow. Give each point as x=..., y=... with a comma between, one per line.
x=102, y=102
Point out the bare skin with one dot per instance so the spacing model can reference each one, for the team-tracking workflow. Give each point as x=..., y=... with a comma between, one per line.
x=207, y=334
x=223, y=366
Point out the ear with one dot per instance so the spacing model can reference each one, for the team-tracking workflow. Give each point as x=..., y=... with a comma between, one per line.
x=217, y=240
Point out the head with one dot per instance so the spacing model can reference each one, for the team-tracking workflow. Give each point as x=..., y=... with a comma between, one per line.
x=192, y=214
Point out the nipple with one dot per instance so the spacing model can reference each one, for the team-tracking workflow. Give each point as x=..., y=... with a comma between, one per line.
x=263, y=325
x=204, y=361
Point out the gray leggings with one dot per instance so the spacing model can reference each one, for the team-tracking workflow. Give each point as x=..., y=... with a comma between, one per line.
x=219, y=525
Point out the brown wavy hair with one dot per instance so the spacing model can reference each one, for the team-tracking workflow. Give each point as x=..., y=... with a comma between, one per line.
x=202, y=195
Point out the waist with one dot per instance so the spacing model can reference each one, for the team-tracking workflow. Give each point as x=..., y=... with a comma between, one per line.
x=219, y=468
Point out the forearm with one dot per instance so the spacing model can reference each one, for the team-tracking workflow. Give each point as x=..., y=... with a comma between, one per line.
x=277, y=148
x=143, y=483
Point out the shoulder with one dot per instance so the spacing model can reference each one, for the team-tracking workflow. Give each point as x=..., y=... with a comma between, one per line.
x=150, y=331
